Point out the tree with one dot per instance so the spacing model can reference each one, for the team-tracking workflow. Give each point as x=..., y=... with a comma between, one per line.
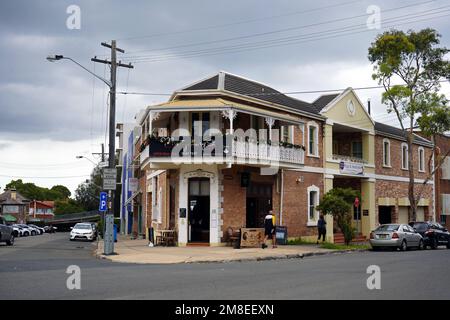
x=64, y=192
x=33, y=192
x=67, y=206
x=416, y=61
x=87, y=194
x=338, y=202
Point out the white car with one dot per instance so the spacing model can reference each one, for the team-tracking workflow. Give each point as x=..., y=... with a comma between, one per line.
x=82, y=231
x=39, y=229
x=17, y=231
x=28, y=230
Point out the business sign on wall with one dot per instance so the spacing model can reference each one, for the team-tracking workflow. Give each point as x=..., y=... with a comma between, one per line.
x=351, y=167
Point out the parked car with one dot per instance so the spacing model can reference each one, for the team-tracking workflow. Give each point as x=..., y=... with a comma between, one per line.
x=24, y=232
x=17, y=231
x=400, y=236
x=31, y=230
x=95, y=227
x=39, y=229
x=433, y=234
x=82, y=231
x=50, y=229
x=6, y=233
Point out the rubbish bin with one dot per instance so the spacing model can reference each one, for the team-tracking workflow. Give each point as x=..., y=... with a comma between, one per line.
x=115, y=233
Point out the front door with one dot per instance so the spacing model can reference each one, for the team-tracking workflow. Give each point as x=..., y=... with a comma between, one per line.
x=199, y=210
x=259, y=203
x=384, y=215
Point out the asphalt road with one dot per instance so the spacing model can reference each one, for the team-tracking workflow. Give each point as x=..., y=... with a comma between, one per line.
x=35, y=268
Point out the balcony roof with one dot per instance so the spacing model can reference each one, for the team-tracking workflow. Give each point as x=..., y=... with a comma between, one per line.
x=220, y=104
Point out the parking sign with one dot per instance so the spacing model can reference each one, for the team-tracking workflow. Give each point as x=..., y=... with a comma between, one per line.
x=103, y=202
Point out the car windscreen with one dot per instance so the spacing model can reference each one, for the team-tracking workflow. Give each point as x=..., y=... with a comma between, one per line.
x=420, y=226
x=83, y=226
x=388, y=227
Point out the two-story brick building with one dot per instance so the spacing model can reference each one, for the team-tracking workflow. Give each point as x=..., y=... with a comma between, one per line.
x=224, y=151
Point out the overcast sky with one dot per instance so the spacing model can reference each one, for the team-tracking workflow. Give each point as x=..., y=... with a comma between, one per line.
x=52, y=112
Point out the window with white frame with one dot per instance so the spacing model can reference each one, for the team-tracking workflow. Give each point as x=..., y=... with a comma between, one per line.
x=405, y=159
x=313, y=139
x=421, y=159
x=445, y=169
x=386, y=153
x=287, y=134
x=313, y=201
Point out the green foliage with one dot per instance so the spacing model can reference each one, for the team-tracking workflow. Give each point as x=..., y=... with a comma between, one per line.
x=67, y=206
x=415, y=59
x=338, y=202
x=333, y=246
x=87, y=193
x=33, y=192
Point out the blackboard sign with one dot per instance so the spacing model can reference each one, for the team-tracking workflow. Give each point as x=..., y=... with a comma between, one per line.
x=182, y=212
x=281, y=235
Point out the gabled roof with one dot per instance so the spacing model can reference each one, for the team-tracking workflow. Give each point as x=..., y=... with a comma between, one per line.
x=224, y=81
x=384, y=129
x=5, y=198
x=322, y=101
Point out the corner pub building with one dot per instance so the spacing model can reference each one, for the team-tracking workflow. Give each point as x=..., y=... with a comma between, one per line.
x=224, y=151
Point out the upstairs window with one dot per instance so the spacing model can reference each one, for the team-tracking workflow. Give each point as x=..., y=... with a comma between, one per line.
x=405, y=160
x=357, y=149
x=421, y=159
x=386, y=153
x=313, y=139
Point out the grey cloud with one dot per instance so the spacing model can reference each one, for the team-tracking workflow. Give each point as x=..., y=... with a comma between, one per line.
x=39, y=99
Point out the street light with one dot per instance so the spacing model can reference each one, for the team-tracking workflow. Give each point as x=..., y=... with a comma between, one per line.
x=57, y=57
x=83, y=157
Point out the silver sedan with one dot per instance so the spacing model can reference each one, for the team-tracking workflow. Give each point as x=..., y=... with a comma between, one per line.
x=400, y=236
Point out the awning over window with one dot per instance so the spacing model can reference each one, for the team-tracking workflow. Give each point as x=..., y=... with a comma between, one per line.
x=9, y=218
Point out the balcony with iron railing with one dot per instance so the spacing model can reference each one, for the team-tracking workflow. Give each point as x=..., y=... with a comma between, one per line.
x=230, y=150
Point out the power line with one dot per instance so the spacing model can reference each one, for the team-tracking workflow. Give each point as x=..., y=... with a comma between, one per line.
x=274, y=31
x=61, y=177
x=321, y=35
x=272, y=93
x=239, y=22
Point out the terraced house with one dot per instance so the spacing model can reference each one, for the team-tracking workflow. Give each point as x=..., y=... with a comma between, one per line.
x=224, y=151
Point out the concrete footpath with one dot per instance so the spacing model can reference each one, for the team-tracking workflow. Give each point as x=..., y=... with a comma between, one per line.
x=138, y=251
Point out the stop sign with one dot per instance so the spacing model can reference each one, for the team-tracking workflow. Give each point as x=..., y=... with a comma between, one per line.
x=356, y=203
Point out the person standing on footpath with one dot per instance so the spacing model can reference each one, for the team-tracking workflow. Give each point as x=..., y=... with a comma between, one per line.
x=322, y=228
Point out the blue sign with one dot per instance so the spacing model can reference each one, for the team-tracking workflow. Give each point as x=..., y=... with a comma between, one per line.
x=103, y=202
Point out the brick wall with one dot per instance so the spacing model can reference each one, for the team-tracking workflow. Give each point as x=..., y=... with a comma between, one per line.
x=396, y=159
x=295, y=203
x=442, y=186
x=396, y=189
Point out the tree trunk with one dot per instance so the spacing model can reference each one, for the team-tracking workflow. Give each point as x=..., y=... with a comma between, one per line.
x=412, y=198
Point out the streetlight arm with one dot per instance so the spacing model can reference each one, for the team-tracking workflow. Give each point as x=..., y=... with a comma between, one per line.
x=107, y=82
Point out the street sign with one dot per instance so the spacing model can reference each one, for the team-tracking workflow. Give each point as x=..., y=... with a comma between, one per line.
x=103, y=164
x=109, y=184
x=103, y=202
x=109, y=173
x=109, y=178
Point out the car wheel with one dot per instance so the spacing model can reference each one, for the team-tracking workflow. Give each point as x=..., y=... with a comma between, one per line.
x=375, y=248
x=33, y=233
x=448, y=244
x=421, y=246
x=16, y=234
x=404, y=246
x=10, y=242
x=434, y=244
x=26, y=234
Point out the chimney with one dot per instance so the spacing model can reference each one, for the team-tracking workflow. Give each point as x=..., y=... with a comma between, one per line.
x=368, y=106
x=13, y=194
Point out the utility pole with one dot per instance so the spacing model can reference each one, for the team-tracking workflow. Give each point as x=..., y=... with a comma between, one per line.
x=109, y=219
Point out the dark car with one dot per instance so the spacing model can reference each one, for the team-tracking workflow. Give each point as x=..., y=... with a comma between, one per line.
x=433, y=234
x=6, y=233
